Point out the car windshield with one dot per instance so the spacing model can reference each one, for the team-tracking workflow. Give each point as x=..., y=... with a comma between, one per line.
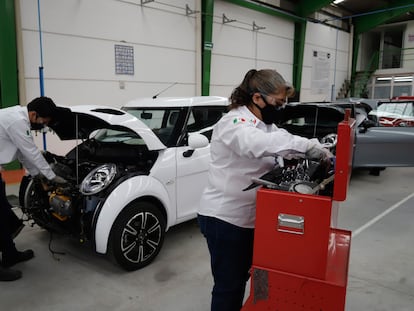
x=402, y=109
x=394, y=114
x=118, y=136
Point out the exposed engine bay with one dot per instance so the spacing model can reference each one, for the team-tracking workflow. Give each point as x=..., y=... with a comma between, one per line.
x=70, y=208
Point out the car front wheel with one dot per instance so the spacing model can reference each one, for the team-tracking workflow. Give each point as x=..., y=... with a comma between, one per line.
x=137, y=235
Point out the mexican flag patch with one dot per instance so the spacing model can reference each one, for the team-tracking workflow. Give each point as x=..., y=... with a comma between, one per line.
x=243, y=120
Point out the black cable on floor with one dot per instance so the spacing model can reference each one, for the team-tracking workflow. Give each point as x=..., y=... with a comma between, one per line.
x=53, y=251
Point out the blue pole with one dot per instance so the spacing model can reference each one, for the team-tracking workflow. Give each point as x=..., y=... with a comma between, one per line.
x=42, y=90
x=41, y=81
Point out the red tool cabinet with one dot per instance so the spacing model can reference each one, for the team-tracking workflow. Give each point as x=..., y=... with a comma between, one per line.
x=300, y=258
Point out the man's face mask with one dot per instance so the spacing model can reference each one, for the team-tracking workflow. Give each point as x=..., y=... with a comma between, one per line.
x=39, y=123
x=36, y=126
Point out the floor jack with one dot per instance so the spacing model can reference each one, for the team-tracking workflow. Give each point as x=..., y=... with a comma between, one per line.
x=300, y=258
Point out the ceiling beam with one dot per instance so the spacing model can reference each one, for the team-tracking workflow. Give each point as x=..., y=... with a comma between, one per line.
x=369, y=20
x=264, y=8
x=307, y=7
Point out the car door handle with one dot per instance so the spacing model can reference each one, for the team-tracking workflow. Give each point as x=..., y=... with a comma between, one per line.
x=188, y=153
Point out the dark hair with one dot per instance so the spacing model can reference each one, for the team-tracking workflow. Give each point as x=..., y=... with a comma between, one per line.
x=44, y=107
x=264, y=81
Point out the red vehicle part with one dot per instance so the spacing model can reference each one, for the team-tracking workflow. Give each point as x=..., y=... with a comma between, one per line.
x=300, y=260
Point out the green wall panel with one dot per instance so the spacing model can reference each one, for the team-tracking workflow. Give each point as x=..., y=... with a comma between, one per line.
x=8, y=56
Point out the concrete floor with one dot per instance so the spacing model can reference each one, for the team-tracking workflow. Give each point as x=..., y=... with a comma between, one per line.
x=379, y=211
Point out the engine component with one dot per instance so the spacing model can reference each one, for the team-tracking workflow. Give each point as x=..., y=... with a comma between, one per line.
x=302, y=176
x=61, y=205
x=61, y=169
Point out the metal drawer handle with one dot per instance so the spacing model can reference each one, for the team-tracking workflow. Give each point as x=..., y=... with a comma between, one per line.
x=291, y=224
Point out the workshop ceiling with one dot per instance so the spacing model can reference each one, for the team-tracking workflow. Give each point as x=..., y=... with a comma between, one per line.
x=399, y=10
x=357, y=7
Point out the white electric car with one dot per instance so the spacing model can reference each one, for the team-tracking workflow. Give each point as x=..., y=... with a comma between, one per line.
x=135, y=172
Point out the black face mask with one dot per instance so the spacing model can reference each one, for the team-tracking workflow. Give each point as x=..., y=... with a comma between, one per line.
x=269, y=113
x=36, y=126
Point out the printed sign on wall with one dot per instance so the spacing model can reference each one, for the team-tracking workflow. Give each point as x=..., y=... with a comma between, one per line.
x=124, y=60
x=320, y=72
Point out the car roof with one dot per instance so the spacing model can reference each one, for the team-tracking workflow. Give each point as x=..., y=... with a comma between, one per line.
x=403, y=98
x=177, y=102
x=338, y=105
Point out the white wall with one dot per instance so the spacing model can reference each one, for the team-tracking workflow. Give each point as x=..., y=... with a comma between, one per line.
x=78, y=39
x=237, y=48
x=324, y=39
x=408, y=45
x=79, y=36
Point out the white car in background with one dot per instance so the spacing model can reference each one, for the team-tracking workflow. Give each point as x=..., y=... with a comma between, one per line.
x=137, y=172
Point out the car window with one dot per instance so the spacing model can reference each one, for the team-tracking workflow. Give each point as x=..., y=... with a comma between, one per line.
x=166, y=123
x=310, y=121
x=202, y=119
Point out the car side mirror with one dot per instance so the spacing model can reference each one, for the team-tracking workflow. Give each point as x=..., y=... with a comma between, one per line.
x=365, y=125
x=195, y=141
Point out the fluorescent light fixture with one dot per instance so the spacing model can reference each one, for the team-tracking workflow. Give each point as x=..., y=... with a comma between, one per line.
x=338, y=1
x=403, y=79
x=384, y=79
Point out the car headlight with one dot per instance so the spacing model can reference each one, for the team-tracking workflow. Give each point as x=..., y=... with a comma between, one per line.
x=98, y=179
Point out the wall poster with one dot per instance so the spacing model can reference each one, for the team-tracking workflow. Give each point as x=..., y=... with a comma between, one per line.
x=124, y=60
x=320, y=72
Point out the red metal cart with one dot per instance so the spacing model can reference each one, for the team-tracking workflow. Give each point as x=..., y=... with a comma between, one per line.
x=300, y=259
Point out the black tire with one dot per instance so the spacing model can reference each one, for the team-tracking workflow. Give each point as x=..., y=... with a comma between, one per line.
x=24, y=183
x=34, y=203
x=137, y=235
x=375, y=171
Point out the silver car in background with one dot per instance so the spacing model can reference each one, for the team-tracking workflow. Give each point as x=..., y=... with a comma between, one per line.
x=376, y=146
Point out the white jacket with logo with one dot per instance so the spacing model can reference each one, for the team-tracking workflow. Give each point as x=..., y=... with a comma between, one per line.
x=16, y=142
x=242, y=147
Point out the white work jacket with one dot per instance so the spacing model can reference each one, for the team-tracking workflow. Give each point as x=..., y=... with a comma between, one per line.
x=242, y=147
x=16, y=142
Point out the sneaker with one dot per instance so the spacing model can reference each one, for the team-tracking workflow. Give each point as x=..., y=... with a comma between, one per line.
x=9, y=274
x=11, y=260
x=16, y=232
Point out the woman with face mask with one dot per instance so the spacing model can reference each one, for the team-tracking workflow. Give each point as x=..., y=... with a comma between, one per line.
x=244, y=144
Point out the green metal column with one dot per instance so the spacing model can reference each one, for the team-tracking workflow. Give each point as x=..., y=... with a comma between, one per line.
x=298, y=51
x=355, y=44
x=9, y=87
x=207, y=42
x=9, y=94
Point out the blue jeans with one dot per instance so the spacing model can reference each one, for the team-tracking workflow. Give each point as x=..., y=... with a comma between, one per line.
x=231, y=252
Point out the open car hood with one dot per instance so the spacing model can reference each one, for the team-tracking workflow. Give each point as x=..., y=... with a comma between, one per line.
x=78, y=122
